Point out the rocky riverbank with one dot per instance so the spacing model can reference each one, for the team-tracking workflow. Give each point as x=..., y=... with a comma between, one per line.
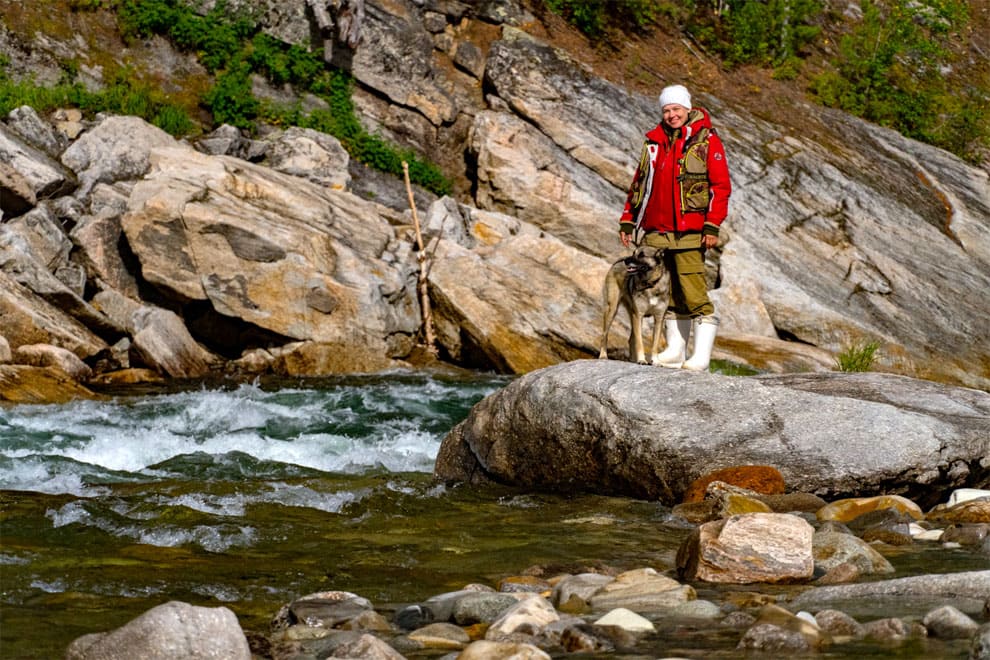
x=128, y=254
x=799, y=577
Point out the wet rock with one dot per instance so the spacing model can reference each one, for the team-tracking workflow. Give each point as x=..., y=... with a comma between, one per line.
x=833, y=548
x=165, y=632
x=367, y=647
x=286, y=617
x=947, y=622
x=756, y=547
x=966, y=590
x=847, y=510
x=980, y=648
x=965, y=494
x=843, y=573
x=326, y=613
x=441, y=636
x=802, y=623
x=969, y=511
x=763, y=479
x=486, y=650
x=738, y=619
x=888, y=536
x=574, y=592
x=523, y=584
x=527, y=617
x=627, y=620
x=768, y=638
x=696, y=609
x=839, y=624
x=24, y=384
x=887, y=629
x=481, y=607
x=585, y=638
x=642, y=590
x=790, y=502
x=966, y=534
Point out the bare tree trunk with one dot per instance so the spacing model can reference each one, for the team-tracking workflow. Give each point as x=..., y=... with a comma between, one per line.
x=424, y=269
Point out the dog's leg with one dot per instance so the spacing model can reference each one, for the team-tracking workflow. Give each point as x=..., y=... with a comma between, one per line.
x=636, y=335
x=657, y=333
x=610, y=294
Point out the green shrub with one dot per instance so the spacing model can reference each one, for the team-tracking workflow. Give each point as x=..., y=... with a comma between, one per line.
x=889, y=70
x=594, y=17
x=121, y=96
x=858, y=356
x=230, y=99
x=232, y=47
x=768, y=33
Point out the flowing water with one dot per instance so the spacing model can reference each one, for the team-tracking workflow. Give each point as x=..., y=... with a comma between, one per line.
x=249, y=496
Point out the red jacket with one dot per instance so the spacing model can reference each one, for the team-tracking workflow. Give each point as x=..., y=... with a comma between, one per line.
x=682, y=182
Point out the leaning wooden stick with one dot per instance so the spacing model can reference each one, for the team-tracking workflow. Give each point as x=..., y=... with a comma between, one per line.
x=423, y=284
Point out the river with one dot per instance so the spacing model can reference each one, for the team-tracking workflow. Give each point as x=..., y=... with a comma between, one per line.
x=251, y=495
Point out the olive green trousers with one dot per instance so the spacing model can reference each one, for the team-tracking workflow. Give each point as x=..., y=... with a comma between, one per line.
x=686, y=262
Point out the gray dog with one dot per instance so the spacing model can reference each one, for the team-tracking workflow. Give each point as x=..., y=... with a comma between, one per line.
x=641, y=283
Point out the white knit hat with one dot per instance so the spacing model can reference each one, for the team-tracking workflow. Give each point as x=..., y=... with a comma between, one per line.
x=675, y=94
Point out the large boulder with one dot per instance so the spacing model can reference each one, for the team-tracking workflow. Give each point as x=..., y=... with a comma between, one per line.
x=271, y=250
x=619, y=428
x=168, y=631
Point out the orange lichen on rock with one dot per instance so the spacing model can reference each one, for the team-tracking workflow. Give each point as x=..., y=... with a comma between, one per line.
x=762, y=479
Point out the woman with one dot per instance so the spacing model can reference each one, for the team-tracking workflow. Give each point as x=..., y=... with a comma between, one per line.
x=678, y=199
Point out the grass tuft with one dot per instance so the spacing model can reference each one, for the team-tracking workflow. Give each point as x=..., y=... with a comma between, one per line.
x=859, y=356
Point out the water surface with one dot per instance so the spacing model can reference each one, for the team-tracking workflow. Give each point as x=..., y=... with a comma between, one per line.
x=249, y=496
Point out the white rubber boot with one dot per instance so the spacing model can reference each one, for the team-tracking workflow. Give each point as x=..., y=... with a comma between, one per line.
x=706, y=327
x=677, y=330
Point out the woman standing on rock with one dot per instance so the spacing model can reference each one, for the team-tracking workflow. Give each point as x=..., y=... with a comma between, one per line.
x=678, y=199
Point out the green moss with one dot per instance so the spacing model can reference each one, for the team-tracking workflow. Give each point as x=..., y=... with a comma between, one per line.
x=233, y=47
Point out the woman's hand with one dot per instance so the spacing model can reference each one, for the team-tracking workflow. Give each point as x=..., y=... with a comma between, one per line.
x=708, y=241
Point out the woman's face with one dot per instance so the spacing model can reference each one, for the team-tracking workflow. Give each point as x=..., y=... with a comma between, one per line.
x=675, y=115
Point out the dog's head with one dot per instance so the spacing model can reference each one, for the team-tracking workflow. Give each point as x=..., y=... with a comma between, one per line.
x=644, y=259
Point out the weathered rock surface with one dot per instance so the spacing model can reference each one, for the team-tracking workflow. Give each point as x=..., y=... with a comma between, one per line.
x=620, y=428
x=821, y=245
x=966, y=591
x=172, y=630
x=753, y=547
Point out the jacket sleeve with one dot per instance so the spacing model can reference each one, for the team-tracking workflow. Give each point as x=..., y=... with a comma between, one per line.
x=719, y=186
x=627, y=221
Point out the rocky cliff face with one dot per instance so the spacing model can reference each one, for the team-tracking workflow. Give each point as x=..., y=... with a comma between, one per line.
x=125, y=247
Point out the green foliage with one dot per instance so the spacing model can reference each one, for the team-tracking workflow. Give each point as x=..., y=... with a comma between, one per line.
x=230, y=100
x=120, y=96
x=858, y=356
x=595, y=17
x=217, y=38
x=770, y=33
x=889, y=70
x=232, y=47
